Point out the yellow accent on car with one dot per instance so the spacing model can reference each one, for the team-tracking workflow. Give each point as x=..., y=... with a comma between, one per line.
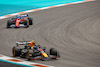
x=45, y=55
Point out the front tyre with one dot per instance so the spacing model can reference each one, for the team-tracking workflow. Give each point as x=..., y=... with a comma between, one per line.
x=9, y=22
x=30, y=21
x=26, y=23
x=54, y=52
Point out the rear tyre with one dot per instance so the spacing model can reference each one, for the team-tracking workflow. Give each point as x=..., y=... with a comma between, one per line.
x=16, y=51
x=30, y=21
x=9, y=22
x=54, y=52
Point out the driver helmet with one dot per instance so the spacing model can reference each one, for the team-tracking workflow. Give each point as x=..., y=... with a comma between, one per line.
x=18, y=16
x=33, y=42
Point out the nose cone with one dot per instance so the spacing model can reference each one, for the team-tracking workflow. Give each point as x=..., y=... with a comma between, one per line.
x=17, y=23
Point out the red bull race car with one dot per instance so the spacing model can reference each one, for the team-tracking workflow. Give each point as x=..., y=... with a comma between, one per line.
x=36, y=53
x=20, y=21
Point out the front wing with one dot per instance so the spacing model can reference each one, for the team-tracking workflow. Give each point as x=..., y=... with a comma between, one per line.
x=39, y=57
x=20, y=25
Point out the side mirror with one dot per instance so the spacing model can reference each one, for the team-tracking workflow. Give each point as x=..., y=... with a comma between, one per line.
x=27, y=15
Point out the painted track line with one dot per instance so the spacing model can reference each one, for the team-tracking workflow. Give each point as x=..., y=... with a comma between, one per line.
x=6, y=16
x=21, y=62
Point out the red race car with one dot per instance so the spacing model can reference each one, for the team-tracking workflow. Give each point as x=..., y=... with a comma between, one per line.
x=20, y=21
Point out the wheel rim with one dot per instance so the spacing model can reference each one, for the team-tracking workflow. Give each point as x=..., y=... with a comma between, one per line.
x=13, y=52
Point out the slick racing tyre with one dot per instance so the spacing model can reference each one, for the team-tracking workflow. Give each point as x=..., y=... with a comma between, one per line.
x=54, y=52
x=30, y=21
x=16, y=51
x=26, y=23
x=9, y=22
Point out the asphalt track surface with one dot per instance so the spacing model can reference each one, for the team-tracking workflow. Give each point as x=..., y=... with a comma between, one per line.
x=4, y=64
x=74, y=30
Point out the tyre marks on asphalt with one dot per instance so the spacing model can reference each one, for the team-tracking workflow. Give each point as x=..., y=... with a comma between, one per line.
x=73, y=30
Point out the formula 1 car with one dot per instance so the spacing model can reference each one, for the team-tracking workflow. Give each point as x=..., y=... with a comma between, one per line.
x=34, y=54
x=20, y=21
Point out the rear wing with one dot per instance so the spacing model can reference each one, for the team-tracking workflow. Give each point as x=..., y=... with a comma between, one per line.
x=19, y=16
x=24, y=15
x=22, y=43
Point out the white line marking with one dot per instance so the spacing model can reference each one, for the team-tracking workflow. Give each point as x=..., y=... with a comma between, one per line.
x=19, y=61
